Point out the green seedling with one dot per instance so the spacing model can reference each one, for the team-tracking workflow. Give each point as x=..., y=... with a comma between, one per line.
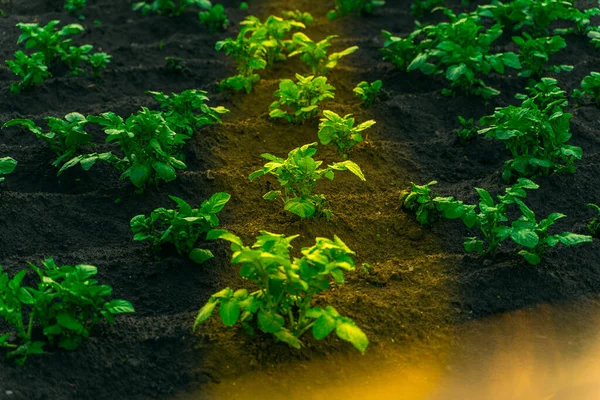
x=536, y=132
x=215, y=18
x=341, y=131
x=315, y=54
x=47, y=39
x=73, y=6
x=249, y=56
x=590, y=85
x=594, y=225
x=303, y=17
x=298, y=175
x=357, y=7
x=174, y=64
x=151, y=148
x=99, y=62
x=468, y=131
x=65, y=136
x=535, y=53
x=272, y=35
x=187, y=112
x=7, y=166
x=368, y=92
x=66, y=304
x=32, y=70
x=183, y=227
x=283, y=304
x=169, y=7
x=536, y=239
x=300, y=101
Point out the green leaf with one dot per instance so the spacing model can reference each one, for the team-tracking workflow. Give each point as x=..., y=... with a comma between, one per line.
x=347, y=330
x=200, y=255
x=205, y=312
x=7, y=165
x=164, y=171
x=525, y=237
x=285, y=336
x=66, y=320
x=571, y=239
x=531, y=258
x=455, y=71
x=139, y=174
x=225, y=235
x=230, y=311
x=119, y=307
x=269, y=322
x=323, y=326
x=302, y=207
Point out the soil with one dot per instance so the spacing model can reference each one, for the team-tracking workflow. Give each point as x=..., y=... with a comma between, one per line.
x=420, y=284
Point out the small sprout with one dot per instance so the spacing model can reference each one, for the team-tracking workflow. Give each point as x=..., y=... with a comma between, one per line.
x=172, y=8
x=594, y=224
x=368, y=92
x=73, y=6
x=32, y=70
x=174, y=64
x=298, y=176
x=99, y=62
x=315, y=54
x=358, y=7
x=300, y=101
x=341, y=131
x=7, y=166
x=183, y=227
x=214, y=18
x=590, y=85
x=468, y=132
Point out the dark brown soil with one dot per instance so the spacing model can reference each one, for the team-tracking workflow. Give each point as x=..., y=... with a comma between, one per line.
x=420, y=284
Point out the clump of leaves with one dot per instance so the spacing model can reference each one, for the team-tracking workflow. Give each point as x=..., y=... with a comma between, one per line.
x=7, y=166
x=304, y=17
x=65, y=136
x=315, y=54
x=341, y=131
x=150, y=146
x=169, y=7
x=51, y=45
x=99, y=62
x=594, y=225
x=368, y=92
x=590, y=85
x=358, y=7
x=468, y=130
x=418, y=8
x=183, y=227
x=249, y=56
x=421, y=200
x=300, y=101
x=459, y=49
x=187, y=111
x=65, y=305
x=174, y=64
x=215, y=18
x=535, y=53
x=536, y=132
x=538, y=15
x=271, y=35
x=298, y=175
x=283, y=304
x=74, y=6
x=32, y=70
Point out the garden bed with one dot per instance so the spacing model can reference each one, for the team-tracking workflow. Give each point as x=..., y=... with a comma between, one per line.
x=420, y=284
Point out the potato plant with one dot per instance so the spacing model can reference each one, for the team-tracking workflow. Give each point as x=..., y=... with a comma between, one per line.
x=315, y=54
x=183, y=227
x=73, y=6
x=65, y=305
x=368, y=92
x=299, y=101
x=357, y=7
x=594, y=224
x=7, y=166
x=272, y=34
x=169, y=7
x=536, y=133
x=149, y=144
x=249, y=56
x=297, y=15
x=298, y=175
x=590, y=86
x=459, y=49
x=283, y=305
x=468, y=130
x=187, y=111
x=341, y=131
x=215, y=18
x=65, y=136
x=51, y=45
x=419, y=8
x=534, y=54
